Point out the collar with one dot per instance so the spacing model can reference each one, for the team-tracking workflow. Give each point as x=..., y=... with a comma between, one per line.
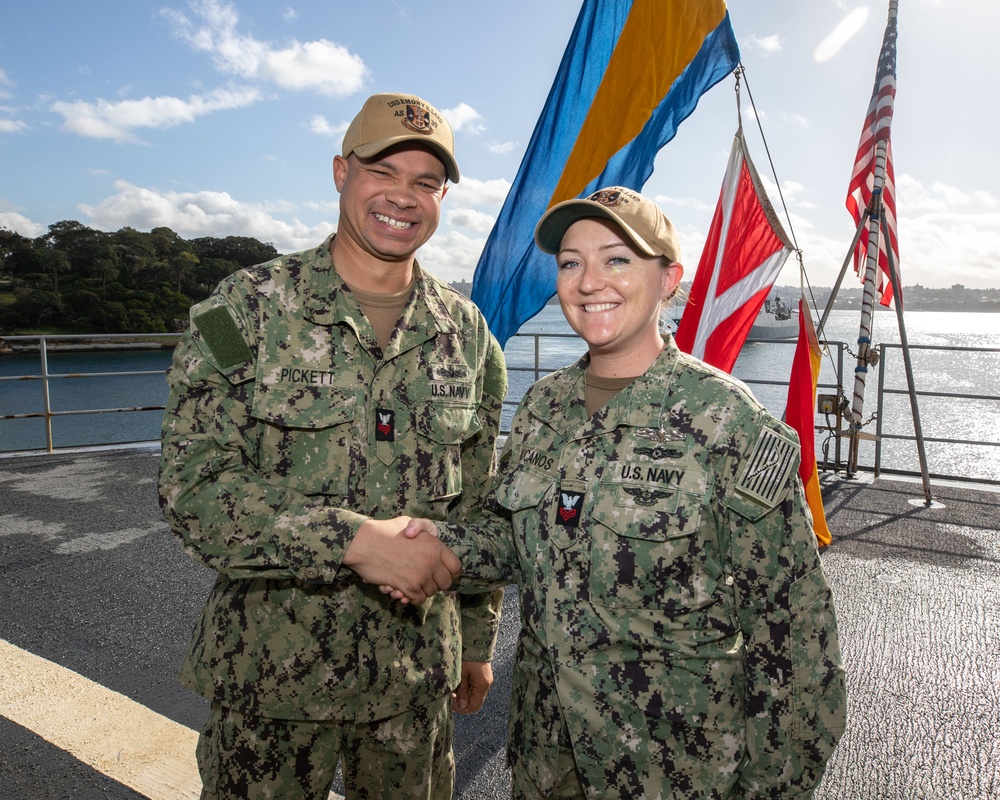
x=328, y=301
x=643, y=404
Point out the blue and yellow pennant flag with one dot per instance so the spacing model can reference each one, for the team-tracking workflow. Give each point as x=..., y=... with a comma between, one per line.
x=632, y=72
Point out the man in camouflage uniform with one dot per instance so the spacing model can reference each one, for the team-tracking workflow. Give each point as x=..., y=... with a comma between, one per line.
x=678, y=633
x=309, y=395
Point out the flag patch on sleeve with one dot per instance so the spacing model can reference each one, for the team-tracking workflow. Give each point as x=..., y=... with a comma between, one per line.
x=766, y=472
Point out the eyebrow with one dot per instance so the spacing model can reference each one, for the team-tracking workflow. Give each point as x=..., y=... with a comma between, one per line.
x=604, y=247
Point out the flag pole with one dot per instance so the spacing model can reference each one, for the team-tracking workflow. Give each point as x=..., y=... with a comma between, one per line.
x=911, y=385
x=867, y=355
x=879, y=122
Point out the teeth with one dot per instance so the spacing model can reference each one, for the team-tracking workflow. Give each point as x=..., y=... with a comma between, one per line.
x=600, y=307
x=395, y=223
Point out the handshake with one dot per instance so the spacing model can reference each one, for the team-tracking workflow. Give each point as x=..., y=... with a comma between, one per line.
x=403, y=557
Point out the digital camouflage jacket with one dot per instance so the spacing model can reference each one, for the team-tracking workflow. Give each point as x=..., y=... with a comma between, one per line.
x=286, y=428
x=676, y=620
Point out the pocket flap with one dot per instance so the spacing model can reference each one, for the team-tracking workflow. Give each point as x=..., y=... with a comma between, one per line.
x=305, y=407
x=523, y=488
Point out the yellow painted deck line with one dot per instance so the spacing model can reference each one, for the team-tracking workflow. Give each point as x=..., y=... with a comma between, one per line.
x=108, y=731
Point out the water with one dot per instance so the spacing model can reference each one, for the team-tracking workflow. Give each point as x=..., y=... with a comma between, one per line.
x=73, y=394
x=935, y=371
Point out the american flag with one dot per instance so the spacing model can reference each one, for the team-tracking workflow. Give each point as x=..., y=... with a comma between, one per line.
x=876, y=128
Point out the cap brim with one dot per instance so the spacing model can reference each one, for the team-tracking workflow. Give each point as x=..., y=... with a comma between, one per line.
x=552, y=226
x=372, y=149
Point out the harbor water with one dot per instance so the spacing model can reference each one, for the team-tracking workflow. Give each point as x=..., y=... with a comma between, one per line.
x=765, y=366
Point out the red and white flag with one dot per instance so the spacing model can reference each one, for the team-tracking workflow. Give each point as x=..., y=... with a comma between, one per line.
x=745, y=251
x=878, y=121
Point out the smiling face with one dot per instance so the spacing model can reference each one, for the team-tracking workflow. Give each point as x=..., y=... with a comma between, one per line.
x=390, y=204
x=611, y=295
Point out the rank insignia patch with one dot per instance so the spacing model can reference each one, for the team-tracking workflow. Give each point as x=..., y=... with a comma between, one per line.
x=569, y=509
x=385, y=425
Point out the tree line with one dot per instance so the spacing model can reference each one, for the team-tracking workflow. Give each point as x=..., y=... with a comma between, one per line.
x=74, y=279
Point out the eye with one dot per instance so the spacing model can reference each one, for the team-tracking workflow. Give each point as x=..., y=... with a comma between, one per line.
x=568, y=263
x=619, y=261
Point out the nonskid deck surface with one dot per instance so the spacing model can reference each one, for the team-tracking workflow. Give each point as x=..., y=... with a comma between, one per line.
x=98, y=599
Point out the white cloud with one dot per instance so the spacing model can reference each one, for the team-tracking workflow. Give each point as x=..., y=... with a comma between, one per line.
x=944, y=248
x=12, y=126
x=290, y=15
x=798, y=120
x=464, y=117
x=470, y=219
x=321, y=65
x=846, y=30
x=321, y=127
x=451, y=256
x=668, y=203
x=765, y=45
x=4, y=82
x=19, y=223
x=473, y=192
x=912, y=196
x=105, y=119
x=947, y=235
x=501, y=148
x=205, y=213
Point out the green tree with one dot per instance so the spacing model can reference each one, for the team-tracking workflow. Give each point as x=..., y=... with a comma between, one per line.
x=184, y=264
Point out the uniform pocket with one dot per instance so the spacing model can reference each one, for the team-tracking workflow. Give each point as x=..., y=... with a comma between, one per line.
x=440, y=429
x=307, y=437
x=645, y=550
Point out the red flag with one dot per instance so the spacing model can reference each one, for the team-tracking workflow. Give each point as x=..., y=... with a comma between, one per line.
x=878, y=121
x=745, y=251
x=799, y=414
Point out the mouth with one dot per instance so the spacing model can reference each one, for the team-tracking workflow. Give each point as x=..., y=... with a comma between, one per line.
x=399, y=225
x=597, y=307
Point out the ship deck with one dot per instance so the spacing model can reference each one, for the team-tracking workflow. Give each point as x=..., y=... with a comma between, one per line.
x=98, y=600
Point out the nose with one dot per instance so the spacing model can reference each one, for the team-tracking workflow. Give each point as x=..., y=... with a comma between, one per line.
x=401, y=195
x=591, y=278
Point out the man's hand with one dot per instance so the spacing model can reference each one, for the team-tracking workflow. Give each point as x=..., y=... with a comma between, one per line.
x=415, y=567
x=414, y=527
x=477, y=678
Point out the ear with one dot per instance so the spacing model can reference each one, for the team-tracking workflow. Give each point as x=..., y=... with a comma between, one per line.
x=672, y=276
x=341, y=167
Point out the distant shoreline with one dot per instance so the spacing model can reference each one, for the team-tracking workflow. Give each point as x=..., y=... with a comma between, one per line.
x=16, y=348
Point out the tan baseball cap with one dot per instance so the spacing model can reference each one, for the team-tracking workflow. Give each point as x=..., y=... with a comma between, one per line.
x=640, y=219
x=390, y=118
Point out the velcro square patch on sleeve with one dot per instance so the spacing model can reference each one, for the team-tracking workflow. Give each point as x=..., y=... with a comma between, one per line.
x=221, y=334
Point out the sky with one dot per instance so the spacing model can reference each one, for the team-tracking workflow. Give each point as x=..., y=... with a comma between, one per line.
x=218, y=118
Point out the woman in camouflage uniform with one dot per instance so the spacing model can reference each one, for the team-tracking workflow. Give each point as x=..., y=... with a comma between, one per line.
x=678, y=633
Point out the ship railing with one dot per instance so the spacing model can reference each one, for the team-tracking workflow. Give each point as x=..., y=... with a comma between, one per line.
x=86, y=341
x=884, y=441
x=832, y=407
